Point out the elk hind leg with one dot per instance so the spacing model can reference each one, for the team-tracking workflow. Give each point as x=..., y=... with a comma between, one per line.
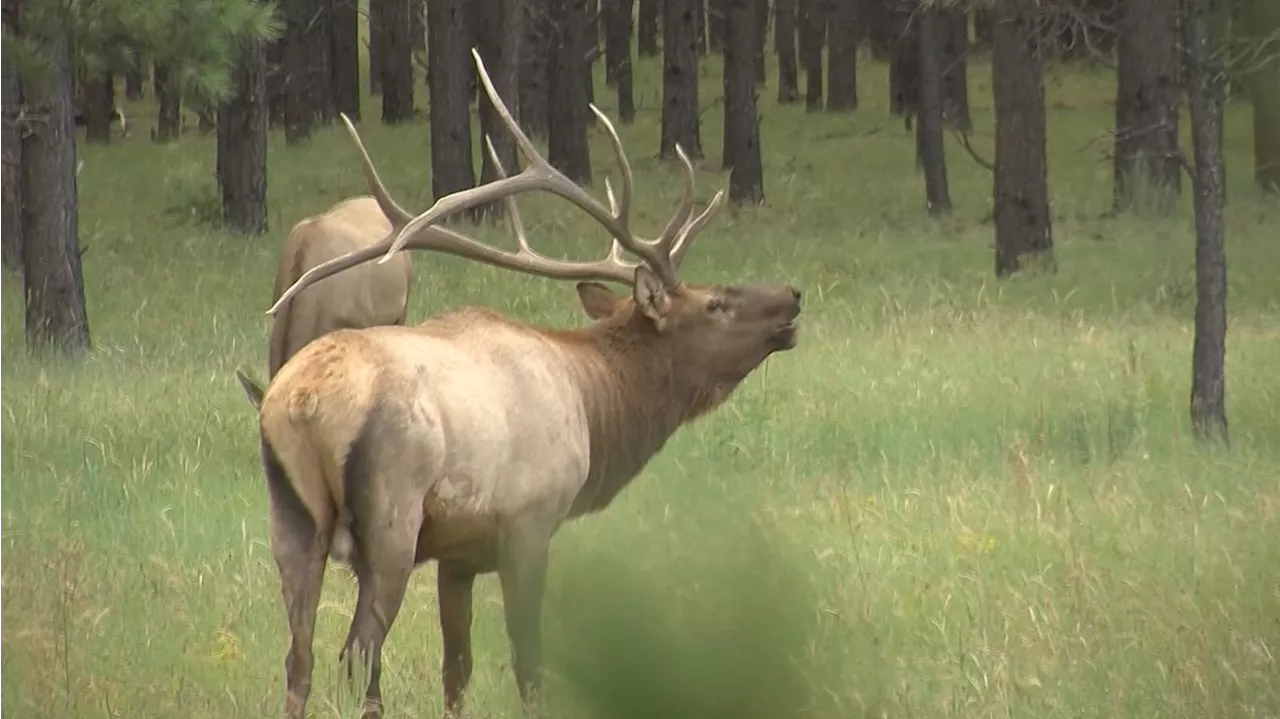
x=300, y=544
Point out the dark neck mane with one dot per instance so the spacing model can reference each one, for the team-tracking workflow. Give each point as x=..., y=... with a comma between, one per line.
x=637, y=392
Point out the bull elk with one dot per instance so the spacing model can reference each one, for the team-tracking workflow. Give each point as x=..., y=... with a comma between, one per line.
x=470, y=438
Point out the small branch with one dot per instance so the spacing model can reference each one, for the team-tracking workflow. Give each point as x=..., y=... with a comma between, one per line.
x=963, y=139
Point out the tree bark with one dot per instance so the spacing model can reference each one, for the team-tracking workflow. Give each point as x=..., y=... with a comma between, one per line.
x=784, y=45
x=56, y=317
x=761, y=25
x=534, y=98
x=567, y=122
x=929, y=130
x=813, y=30
x=397, y=62
x=617, y=52
x=242, y=144
x=499, y=45
x=700, y=25
x=716, y=24
x=1146, y=169
x=449, y=106
x=1024, y=233
x=955, y=69
x=1262, y=18
x=842, y=56
x=647, y=27
x=1205, y=96
x=376, y=42
x=300, y=97
x=99, y=106
x=904, y=63
x=741, y=123
x=169, y=100
x=680, y=123
x=277, y=95
x=133, y=76
x=11, y=231
x=345, y=55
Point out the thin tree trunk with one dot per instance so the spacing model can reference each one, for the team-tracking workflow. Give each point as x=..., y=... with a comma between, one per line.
x=345, y=56
x=169, y=99
x=1262, y=20
x=397, y=63
x=679, y=81
x=741, y=124
x=1024, y=233
x=1147, y=166
x=932, y=152
x=716, y=10
x=904, y=63
x=300, y=96
x=589, y=25
x=377, y=26
x=242, y=144
x=499, y=45
x=99, y=106
x=536, y=50
x=647, y=27
x=277, y=74
x=133, y=76
x=784, y=45
x=11, y=231
x=700, y=25
x=955, y=69
x=1205, y=96
x=842, y=56
x=617, y=50
x=56, y=317
x=761, y=24
x=813, y=31
x=567, y=122
x=450, y=109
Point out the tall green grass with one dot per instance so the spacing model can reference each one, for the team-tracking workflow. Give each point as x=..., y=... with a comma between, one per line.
x=956, y=498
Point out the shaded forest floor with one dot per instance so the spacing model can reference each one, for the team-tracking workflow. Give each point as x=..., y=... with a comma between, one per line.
x=957, y=498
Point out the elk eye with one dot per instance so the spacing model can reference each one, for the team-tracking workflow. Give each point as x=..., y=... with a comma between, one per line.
x=715, y=304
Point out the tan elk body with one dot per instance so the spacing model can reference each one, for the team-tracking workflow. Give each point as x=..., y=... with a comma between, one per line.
x=470, y=438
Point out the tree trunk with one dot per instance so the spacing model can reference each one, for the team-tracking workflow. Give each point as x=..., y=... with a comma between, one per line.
x=242, y=144
x=300, y=96
x=345, y=55
x=589, y=25
x=647, y=27
x=741, y=124
x=1205, y=96
x=679, y=80
x=320, y=41
x=133, y=77
x=417, y=25
x=169, y=100
x=761, y=24
x=534, y=106
x=277, y=96
x=842, y=56
x=1147, y=170
x=716, y=10
x=376, y=42
x=53, y=284
x=499, y=45
x=700, y=25
x=397, y=63
x=11, y=231
x=955, y=69
x=1024, y=233
x=813, y=30
x=880, y=27
x=567, y=122
x=1262, y=18
x=617, y=54
x=784, y=45
x=449, y=107
x=904, y=64
x=982, y=27
x=929, y=130
x=99, y=106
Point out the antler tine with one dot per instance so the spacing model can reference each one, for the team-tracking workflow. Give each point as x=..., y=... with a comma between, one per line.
x=398, y=216
x=685, y=235
x=681, y=216
x=509, y=202
x=540, y=175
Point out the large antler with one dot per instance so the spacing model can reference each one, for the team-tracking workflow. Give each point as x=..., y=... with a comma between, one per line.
x=663, y=255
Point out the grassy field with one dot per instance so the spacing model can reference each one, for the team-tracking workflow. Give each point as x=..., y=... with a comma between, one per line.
x=957, y=498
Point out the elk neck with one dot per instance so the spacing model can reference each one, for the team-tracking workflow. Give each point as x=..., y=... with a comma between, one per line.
x=637, y=388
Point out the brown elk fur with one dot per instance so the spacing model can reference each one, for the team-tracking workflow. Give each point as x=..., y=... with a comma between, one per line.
x=471, y=438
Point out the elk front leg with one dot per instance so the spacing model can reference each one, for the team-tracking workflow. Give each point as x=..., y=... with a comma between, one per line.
x=454, y=582
x=522, y=571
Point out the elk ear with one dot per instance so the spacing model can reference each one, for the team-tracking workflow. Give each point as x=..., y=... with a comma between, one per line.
x=651, y=297
x=598, y=301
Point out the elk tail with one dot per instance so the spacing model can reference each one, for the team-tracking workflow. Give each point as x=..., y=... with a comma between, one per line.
x=252, y=389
